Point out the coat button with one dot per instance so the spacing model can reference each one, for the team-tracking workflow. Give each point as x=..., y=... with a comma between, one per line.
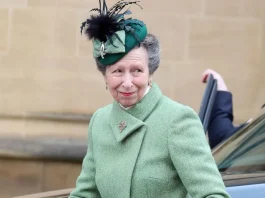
x=122, y=125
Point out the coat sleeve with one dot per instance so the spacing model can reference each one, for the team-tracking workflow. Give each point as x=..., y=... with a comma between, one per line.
x=85, y=184
x=221, y=121
x=192, y=158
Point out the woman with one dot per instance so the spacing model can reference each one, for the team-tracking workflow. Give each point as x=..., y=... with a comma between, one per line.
x=143, y=144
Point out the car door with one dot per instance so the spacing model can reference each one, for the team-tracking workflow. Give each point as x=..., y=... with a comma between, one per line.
x=207, y=102
x=241, y=160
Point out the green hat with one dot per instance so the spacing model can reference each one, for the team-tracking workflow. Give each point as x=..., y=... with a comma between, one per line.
x=113, y=36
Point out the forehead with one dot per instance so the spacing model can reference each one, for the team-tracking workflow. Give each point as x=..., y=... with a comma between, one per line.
x=137, y=55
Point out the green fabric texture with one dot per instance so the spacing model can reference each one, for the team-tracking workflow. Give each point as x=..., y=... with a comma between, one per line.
x=116, y=47
x=130, y=42
x=161, y=152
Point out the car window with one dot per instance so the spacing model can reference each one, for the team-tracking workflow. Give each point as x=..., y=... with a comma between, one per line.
x=244, y=152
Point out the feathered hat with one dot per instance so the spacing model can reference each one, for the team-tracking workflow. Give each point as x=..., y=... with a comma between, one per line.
x=113, y=36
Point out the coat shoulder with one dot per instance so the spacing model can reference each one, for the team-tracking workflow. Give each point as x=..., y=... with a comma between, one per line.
x=101, y=113
x=169, y=113
x=172, y=107
x=105, y=110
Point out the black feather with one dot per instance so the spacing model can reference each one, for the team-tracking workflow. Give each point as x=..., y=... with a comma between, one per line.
x=107, y=22
x=82, y=26
x=96, y=9
x=101, y=27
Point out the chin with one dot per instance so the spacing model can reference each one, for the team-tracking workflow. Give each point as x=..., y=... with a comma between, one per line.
x=127, y=104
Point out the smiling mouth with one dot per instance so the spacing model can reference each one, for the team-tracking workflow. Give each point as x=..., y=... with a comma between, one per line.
x=127, y=94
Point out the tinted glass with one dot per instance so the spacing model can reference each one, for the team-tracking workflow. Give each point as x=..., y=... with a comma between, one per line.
x=245, y=151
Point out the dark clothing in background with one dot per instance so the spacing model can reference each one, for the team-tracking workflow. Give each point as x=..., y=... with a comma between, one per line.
x=221, y=121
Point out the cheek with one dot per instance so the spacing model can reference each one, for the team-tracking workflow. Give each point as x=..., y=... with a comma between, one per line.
x=113, y=82
x=141, y=82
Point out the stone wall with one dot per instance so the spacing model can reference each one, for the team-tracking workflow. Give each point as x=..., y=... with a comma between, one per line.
x=22, y=177
x=46, y=66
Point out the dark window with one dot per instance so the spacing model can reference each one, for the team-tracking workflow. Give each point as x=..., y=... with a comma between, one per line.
x=245, y=151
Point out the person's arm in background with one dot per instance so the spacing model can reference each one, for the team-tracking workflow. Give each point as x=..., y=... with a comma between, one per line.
x=221, y=120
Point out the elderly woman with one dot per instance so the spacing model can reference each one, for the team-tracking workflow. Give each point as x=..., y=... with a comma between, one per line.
x=143, y=145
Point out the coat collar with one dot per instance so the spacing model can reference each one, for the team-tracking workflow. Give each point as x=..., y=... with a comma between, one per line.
x=124, y=122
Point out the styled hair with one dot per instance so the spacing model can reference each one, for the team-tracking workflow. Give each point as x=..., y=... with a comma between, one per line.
x=151, y=44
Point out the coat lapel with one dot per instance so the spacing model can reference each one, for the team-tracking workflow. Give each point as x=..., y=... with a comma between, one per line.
x=122, y=123
x=125, y=122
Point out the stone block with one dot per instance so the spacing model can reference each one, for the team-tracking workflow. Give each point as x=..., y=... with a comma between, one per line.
x=4, y=29
x=41, y=3
x=225, y=40
x=60, y=175
x=65, y=33
x=18, y=177
x=77, y=4
x=32, y=32
x=236, y=8
x=13, y=3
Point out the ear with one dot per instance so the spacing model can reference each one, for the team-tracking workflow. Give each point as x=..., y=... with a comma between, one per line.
x=150, y=77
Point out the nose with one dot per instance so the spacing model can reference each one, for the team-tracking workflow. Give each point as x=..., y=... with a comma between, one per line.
x=127, y=81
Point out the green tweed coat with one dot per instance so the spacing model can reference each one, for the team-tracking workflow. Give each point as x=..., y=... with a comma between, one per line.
x=157, y=149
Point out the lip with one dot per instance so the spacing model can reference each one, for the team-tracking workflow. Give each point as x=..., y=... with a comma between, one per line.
x=127, y=94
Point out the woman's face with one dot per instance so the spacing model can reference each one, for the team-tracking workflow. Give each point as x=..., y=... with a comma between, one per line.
x=127, y=80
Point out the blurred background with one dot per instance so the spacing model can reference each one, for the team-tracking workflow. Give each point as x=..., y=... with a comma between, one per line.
x=49, y=84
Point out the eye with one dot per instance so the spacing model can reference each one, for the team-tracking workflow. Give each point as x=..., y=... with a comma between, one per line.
x=117, y=71
x=138, y=70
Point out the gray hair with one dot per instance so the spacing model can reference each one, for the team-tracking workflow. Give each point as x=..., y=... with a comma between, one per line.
x=151, y=44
